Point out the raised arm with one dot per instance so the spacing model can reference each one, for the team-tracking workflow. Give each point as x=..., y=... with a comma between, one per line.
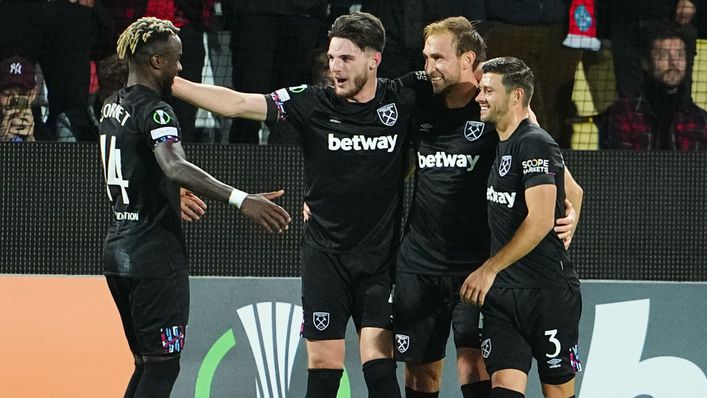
x=221, y=100
x=258, y=207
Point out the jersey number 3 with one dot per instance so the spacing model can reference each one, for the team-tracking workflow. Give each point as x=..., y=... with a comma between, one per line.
x=112, y=169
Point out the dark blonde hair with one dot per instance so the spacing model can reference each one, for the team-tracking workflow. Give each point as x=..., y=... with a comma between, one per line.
x=464, y=36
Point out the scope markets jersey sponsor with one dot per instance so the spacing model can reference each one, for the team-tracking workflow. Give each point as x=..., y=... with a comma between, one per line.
x=145, y=235
x=530, y=157
x=447, y=228
x=352, y=158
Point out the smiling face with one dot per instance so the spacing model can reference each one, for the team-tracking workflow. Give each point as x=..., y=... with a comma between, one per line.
x=442, y=63
x=493, y=98
x=171, y=55
x=351, y=67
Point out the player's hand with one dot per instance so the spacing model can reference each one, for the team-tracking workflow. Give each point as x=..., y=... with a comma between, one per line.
x=684, y=12
x=565, y=227
x=306, y=213
x=477, y=285
x=191, y=205
x=265, y=213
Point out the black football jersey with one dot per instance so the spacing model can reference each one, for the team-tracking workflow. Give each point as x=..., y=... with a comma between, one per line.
x=447, y=229
x=353, y=160
x=530, y=157
x=145, y=235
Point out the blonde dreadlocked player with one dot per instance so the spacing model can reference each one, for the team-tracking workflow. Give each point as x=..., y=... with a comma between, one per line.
x=144, y=167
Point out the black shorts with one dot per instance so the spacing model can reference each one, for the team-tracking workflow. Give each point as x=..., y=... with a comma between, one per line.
x=424, y=307
x=155, y=312
x=522, y=324
x=336, y=287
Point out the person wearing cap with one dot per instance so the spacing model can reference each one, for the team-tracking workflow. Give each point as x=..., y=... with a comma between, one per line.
x=58, y=36
x=17, y=92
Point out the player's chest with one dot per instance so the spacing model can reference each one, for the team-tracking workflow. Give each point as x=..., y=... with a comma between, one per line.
x=372, y=134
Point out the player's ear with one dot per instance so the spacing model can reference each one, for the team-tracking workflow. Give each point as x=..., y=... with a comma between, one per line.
x=375, y=60
x=469, y=58
x=156, y=61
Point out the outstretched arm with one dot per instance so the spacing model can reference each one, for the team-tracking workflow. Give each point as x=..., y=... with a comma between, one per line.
x=258, y=207
x=221, y=100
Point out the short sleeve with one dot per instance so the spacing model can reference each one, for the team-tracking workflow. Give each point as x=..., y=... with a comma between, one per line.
x=293, y=104
x=418, y=82
x=540, y=160
x=161, y=125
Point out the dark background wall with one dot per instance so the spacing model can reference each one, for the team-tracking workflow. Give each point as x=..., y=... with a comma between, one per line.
x=644, y=215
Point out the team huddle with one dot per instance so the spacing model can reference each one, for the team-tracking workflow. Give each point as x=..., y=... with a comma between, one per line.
x=494, y=209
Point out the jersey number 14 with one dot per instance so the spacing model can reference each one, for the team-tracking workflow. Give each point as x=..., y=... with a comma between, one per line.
x=112, y=169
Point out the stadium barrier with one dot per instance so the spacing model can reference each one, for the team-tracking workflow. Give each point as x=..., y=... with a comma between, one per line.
x=643, y=216
x=642, y=219
x=62, y=338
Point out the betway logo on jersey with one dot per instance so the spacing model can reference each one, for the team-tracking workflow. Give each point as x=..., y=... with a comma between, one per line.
x=502, y=198
x=536, y=166
x=443, y=159
x=361, y=142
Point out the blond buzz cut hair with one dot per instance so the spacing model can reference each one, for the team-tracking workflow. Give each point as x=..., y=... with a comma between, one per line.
x=144, y=31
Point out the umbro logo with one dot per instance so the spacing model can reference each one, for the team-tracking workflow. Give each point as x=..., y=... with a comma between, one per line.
x=554, y=363
x=426, y=127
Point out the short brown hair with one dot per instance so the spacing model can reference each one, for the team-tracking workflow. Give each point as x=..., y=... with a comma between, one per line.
x=363, y=29
x=516, y=74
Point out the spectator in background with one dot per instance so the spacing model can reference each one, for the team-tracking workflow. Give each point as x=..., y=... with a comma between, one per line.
x=193, y=18
x=629, y=19
x=272, y=43
x=56, y=34
x=17, y=93
x=404, y=20
x=112, y=76
x=662, y=116
x=533, y=30
x=284, y=133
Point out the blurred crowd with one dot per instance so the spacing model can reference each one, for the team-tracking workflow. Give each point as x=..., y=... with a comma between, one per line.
x=58, y=62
